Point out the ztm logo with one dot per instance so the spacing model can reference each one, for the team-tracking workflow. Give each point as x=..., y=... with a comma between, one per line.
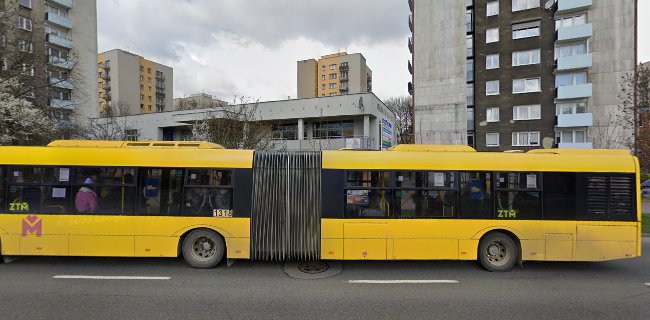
x=32, y=225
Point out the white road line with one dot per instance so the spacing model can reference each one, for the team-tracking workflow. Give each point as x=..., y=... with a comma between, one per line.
x=403, y=281
x=109, y=277
x=648, y=284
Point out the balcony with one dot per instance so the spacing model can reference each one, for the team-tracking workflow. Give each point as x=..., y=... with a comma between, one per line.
x=61, y=104
x=106, y=87
x=106, y=77
x=344, y=66
x=410, y=88
x=410, y=67
x=58, y=20
x=106, y=66
x=61, y=63
x=61, y=83
x=574, y=33
x=106, y=96
x=411, y=44
x=59, y=41
x=575, y=120
x=574, y=92
x=410, y=5
x=566, y=6
x=160, y=94
x=63, y=3
x=344, y=89
x=583, y=145
x=160, y=77
x=581, y=61
x=411, y=22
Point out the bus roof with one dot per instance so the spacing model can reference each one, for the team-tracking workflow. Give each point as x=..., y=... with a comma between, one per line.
x=537, y=161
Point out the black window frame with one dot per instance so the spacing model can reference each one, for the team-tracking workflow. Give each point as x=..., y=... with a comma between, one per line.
x=454, y=188
x=186, y=185
x=538, y=189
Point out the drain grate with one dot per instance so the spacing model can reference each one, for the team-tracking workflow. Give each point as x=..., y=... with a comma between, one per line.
x=313, y=267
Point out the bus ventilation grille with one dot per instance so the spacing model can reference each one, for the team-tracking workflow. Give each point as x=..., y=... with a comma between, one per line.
x=286, y=215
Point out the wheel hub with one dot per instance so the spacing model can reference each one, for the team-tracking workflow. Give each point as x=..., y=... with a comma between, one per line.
x=494, y=250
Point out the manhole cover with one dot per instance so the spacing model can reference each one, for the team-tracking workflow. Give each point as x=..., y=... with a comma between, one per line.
x=312, y=270
x=313, y=267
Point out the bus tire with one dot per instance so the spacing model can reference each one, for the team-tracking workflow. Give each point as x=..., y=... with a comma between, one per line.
x=498, y=252
x=203, y=249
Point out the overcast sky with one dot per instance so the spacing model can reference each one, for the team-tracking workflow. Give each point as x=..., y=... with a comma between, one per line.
x=250, y=47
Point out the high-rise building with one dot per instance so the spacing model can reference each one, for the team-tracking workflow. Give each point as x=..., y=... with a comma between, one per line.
x=54, y=42
x=334, y=74
x=129, y=83
x=520, y=74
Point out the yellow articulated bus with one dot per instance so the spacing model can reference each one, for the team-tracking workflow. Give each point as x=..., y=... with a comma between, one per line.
x=198, y=200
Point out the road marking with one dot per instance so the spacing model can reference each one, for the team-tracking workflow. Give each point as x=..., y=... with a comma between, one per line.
x=403, y=281
x=648, y=284
x=109, y=277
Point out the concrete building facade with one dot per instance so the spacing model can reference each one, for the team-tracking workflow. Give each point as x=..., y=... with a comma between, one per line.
x=537, y=74
x=334, y=74
x=132, y=84
x=357, y=121
x=55, y=41
x=197, y=101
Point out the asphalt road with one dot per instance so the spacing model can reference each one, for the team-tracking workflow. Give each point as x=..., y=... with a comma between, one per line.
x=255, y=290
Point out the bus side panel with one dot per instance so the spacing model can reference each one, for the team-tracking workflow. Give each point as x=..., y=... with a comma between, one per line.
x=238, y=248
x=600, y=243
x=332, y=239
x=364, y=240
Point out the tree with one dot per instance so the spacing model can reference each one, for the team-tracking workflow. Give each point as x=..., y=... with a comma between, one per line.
x=401, y=106
x=113, y=125
x=236, y=126
x=633, y=114
x=20, y=122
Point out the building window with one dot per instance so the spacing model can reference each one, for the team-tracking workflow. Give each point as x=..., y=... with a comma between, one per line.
x=492, y=61
x=25, y=46
x=149, y=80
x=571, y=50
x=526, y=85
x=3, y=40
x=469, y=40
x=492, y=35
x=149, y=97
x=149, y=70
x=469, y=17
x=570, y=136
x=492, y=139
x=492, y=8
x=518, y=5
x=284, y=131
x=141, y=69
x=528, y=57
x=492, y=88
x=492, y=114
x=323, y=78
x=141, y=78
x=571, y=108
x=566, y=22
x=332, y=76
x=332, y=67
x=142, y=106
x=470, y=119
x=470, y=94
x=525, y=30
x=149, y=107
x=149, y=89
x=131, y=134
x=323, y=87
x=332, y=85
x=333, y=129
x=532, y=112
x=470, y=70
x=570, y=79
x=525, y=139
x=25, y=3
x=25, y=23
x=142, y=87
x=324, y=68
x=142, y=97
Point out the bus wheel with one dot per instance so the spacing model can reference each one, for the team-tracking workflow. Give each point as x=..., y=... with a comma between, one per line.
x=203, y=249
x=498, y=252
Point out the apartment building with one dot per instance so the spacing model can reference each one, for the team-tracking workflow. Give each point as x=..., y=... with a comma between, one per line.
x=520, y=74
x=54, y=42
x=197, y=101
x=132, y=84
x=334, y=74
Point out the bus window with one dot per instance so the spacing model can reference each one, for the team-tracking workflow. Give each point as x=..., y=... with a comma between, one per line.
x=160, y=191
x=606, y=197
x=476, y=200
x=367, y=204
x=208, y=193
x=113, y=189
x=368, y=179
x=39, y=190
x=425, y=195
x=2, y=187
x=559, y=196
x=518, y=196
